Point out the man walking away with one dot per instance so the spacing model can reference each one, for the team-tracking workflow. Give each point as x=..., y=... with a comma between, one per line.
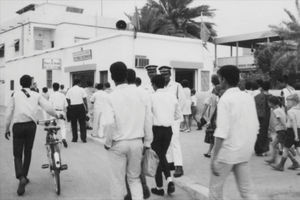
x=76, y=98
x=165, y=110
x=21, y=113
x=235, y=136
x=59, y=103
x=127, y=122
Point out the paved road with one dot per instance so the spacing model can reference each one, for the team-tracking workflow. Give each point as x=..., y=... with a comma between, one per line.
x=86, y=179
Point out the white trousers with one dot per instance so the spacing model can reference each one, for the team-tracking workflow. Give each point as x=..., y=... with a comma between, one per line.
x=97, y=125
x=62, y=124
x=242, y=176
x=125, y=159
x=174, y=153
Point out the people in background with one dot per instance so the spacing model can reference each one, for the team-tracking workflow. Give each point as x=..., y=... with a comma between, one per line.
x=89, y=90
x=62, y=89
x=107, y=87
x=45, y=94
x=193, y=107
x=34, y=87
x=127, y=128
x=186, y=110
x=59, y=103
x=287, y=89
x=78, y=108
x=138, y=81
x=21, y=113
x=151, y=71
x=235, y=136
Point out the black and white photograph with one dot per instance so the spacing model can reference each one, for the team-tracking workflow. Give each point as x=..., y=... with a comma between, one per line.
x=150, y=99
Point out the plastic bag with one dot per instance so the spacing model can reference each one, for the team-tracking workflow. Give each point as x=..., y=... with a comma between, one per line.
x=150, y=163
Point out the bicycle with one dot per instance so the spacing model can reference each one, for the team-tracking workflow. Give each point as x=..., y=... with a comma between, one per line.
x=53, y=152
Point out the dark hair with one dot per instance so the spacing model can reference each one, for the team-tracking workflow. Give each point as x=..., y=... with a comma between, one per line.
x=158, y=81
x=45, y=89
x=254, y=86
x=55, y=86
x=62, y=87
x=118, y=72
x=25, y=81
x=76, y=81
x=248, y=85
x=99, y=86
x=193, y=91
x=215, y=80
x=138, y=81
x=89, y=83
x=131, y=76
x=185, y=83
x=265, y=85
x=231, y=74
x=259, y=82
x=283, y=79
x=107, y=85
x=274, y=100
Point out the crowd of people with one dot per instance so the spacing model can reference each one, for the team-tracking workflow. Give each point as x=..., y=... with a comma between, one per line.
x=134, y=117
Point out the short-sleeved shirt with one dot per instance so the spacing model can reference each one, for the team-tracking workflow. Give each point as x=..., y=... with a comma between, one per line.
x=99, y=99
x=76, y=95
x=285, y=92
x=281, y=117
x=194, y=100
x=293, y=114
x=58, y=100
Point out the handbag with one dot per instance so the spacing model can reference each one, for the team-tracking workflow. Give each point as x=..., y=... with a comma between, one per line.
x=150, y=163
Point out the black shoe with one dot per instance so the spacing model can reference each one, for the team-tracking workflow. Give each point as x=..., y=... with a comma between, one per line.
x=146, y=192
x=74, y=140
x=171, y=188
x=127, y=197
x=89, y=128
x=207, y=155
x=65, y=143
x=178, y=171
x=84, y=141
x=171, y=166
x=158, y=192
x=21, y=188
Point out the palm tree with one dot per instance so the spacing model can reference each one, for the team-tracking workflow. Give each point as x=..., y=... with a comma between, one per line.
x=175, y=17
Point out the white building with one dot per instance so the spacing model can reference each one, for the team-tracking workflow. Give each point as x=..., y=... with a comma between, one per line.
x=90, y=59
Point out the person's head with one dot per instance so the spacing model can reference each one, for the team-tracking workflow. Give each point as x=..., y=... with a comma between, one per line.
x=229, y=76
x=45, y=89
x=99, y=86
x=76, y=82
x=151, y=70
x=118, y=72
x=138, y=81
x=193, y=91
x=158, y=82
x=259, y=83
x=185, y=83
x=283, y=81
x=292, y=100
x=265, y=86
x=25, y=81
x=131, y=76
x=215, y=79
x=274, y=102
x=55, y=86
x=89, y=84
x=248, y=85
x=217, y=90
x=166, y=72
x=107, y=85
x=62, y=87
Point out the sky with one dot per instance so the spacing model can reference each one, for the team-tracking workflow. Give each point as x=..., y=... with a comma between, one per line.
x=231, y=16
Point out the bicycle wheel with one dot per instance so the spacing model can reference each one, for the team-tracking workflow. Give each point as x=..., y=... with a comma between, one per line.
x=57, y=180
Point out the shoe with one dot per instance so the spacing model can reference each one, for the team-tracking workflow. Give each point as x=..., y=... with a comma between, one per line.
x=178, y=171
x=127, y=197
x=187, y=130
x=65, y=143
x=89, y=128
x=146, y=192
x=159, y=192
x=171, y=166
x=21, y=188
x=280, y=153
x=207, y=155
x=294, y=166
x=280, y=166
x=171, y=188
x=74, y=140
x=84, y=141
x=271, y=161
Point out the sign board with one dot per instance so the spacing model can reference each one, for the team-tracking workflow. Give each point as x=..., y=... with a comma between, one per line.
x=52, y=63
x=82, y=55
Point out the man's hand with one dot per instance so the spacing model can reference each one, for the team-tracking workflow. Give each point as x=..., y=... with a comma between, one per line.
x=144, y=149
x=214, y=169
x=7, y=135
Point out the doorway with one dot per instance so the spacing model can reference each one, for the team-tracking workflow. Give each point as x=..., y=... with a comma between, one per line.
x=188, y=74
x=84, y=77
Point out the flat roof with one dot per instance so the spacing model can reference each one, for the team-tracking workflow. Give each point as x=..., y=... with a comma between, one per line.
x=248, y=40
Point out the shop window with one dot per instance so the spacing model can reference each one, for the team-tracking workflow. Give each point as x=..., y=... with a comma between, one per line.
x=2, y=48
x=205, y=80
x=12, y=85
x=49, y=78
x=141, y=61
x=17, y=45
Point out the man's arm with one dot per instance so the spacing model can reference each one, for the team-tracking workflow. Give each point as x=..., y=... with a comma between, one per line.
x=46, y=105
x=9, y=113
x=85, y=105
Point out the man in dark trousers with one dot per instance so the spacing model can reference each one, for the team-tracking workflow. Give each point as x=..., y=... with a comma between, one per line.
x=78, y=108
x=21, y=113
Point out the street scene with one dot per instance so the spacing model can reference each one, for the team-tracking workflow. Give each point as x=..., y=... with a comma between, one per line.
x=150, y=99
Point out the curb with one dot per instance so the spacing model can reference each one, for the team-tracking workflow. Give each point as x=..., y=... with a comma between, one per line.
x=194, y=189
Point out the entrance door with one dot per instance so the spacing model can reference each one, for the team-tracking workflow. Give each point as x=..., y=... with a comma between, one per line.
x=188, y=74
x=84, y=77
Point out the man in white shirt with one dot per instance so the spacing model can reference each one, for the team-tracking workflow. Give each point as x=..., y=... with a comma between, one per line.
x=21, y=114
x=174, y=153
x=59, y=103
x=151, y=71
x=127, y=123
x=78, y=108
x=287, y=89
x=235, y=136
x=165, y=110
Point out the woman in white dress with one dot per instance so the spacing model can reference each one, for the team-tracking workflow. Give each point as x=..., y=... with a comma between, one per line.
x=186, y=111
